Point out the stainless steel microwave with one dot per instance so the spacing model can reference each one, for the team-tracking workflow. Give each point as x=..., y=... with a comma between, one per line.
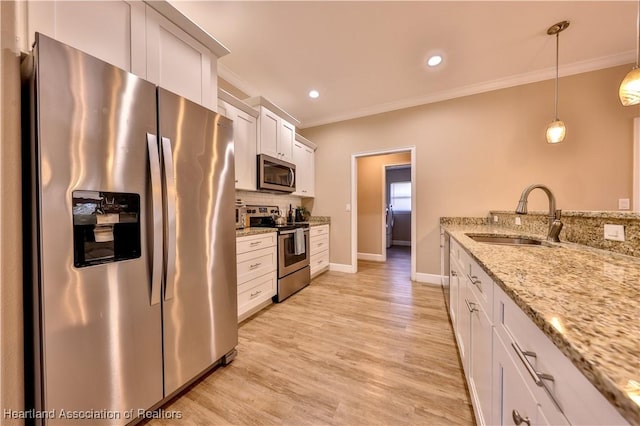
x=275, y=174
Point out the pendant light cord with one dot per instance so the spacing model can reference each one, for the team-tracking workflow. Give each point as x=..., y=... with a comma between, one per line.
x=638, y=38
x=557, y=61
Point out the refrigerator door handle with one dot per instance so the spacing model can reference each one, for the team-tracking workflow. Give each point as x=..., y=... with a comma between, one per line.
x=170, y=218
x=156, y=199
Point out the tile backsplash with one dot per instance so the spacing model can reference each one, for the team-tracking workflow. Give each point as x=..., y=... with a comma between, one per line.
x=270, y=199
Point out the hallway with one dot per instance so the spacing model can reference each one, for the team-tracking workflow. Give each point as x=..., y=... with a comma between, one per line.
x=350, y=349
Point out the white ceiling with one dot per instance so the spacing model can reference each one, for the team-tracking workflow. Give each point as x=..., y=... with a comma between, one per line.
x=367, y=57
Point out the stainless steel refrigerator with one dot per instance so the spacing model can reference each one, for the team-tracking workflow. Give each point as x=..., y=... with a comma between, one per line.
x=132, y=276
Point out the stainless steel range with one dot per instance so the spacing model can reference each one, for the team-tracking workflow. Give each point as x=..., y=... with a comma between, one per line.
x=293, y=249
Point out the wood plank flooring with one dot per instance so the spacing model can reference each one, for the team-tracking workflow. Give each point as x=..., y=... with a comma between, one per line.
x=371, y=348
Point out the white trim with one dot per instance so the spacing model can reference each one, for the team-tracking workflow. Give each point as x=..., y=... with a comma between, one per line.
x=354, y=203
x=340, y=267
x=431, y=279
x=383, y=242
x=473, y=89
x=234, y=79
x=636, y=164
x=401, y=243
x=372, y=257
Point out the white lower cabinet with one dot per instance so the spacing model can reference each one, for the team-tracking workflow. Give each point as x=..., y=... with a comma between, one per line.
x=513, y=402
x=257, y=262
x=562, y=393
x=318, y=249
x=516, y=375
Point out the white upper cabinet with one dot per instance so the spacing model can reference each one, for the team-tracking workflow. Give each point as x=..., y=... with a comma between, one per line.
x=304, y=159
x=176, y=61
x=152, y=40
x=113, y=31
x=276, y=130
x=245, y=124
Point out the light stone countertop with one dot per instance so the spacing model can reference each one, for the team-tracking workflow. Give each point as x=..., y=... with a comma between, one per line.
x=592, y=296
x=253, y=231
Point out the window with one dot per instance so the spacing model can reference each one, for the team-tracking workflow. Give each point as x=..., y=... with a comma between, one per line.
x=400, y=197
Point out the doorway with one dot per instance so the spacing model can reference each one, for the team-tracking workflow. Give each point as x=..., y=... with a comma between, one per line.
x=369, y=202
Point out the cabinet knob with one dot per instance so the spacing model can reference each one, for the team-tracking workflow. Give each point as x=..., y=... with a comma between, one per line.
x=518, y=419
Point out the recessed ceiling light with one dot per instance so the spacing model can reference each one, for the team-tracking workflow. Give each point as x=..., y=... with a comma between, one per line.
x=313, y=94
x=434, y=60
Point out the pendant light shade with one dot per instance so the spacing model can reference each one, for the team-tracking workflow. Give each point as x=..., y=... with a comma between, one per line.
x=630, y=88
x=556, y=131
x=629, y=91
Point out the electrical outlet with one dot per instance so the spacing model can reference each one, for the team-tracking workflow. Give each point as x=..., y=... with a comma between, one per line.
x=614, y=232
x=623, y=204
x=518, y=221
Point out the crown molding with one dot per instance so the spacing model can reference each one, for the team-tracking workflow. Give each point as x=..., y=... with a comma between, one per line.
x=473, y=89
x=232, y=78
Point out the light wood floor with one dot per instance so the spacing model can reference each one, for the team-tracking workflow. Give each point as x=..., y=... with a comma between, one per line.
x=350, y=349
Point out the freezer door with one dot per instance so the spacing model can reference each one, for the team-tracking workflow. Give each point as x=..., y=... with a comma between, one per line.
x=100, y=334
x=200, y=291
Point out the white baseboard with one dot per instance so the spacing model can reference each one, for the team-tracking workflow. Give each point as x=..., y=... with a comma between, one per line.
x=430, y=279
x=371, y=256
x=339, y=267
x=401, y=243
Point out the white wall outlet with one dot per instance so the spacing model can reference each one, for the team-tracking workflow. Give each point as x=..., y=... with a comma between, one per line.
x=518, y=221
x=495, y=219
x=347, y=207
x=614, y=232
x=623, y=204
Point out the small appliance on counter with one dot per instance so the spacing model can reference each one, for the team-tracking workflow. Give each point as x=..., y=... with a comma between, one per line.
x=293, y=249
x=241, y=214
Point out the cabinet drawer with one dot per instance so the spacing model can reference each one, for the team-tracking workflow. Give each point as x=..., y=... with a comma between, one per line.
x=578, y=400
x=315, y=231
x=319, y=244
x=255, y=242
x=256, y=291
x=318, y=262
x=256, y=263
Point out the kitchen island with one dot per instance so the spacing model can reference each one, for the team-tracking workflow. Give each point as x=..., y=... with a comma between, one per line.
x=584, y=300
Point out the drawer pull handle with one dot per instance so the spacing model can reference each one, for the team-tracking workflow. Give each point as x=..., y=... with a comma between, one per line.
x=454, y=274
x=518, y=419
x=471, y=306
x=537, y=376
x=255, y=243
x=255, y=265
x=256, y=293
x=475, y=281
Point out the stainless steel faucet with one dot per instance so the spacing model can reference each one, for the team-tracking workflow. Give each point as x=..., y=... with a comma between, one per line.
x=555, y=226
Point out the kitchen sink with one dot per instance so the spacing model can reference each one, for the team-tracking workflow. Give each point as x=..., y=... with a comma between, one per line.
x=505, y=240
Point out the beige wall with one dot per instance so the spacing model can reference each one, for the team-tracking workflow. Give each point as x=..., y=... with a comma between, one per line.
x=477, y=153
x=11, y=333
x=370, y=214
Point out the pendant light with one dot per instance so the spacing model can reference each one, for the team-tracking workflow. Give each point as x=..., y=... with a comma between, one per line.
x=629, y=91
x=556, y=130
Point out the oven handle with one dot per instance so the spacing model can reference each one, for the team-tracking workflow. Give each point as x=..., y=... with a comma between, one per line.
x=306, y=231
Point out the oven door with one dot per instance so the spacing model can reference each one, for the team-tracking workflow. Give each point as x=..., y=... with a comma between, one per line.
x=288, y=261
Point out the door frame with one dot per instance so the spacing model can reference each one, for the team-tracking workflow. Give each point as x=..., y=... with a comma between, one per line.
x=354, y=203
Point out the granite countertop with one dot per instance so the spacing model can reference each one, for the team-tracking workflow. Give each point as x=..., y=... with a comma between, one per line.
x=253, y=231
x=585, y=300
